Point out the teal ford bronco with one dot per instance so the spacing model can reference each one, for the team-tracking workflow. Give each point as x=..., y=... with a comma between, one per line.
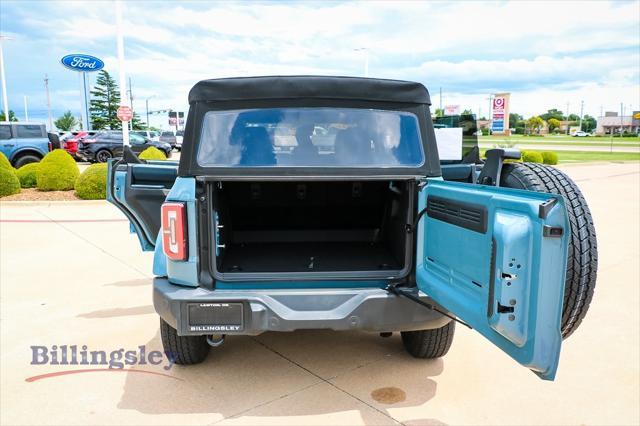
x=309, y=202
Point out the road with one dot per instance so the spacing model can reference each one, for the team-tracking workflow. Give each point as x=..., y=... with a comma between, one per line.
x=71, y=274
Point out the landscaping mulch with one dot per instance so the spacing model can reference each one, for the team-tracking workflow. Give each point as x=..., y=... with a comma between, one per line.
x=32, y=194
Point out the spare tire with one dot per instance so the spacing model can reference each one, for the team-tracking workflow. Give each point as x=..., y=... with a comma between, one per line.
x=582, y=258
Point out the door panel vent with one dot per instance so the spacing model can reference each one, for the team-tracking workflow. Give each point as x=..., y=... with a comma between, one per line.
x=466, y=215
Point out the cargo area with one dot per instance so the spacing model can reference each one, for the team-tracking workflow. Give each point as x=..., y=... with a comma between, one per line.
x=312, y=226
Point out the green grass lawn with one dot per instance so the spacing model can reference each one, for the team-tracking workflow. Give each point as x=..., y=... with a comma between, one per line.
x=584, y=156
x=588, y=156
x=560, y=140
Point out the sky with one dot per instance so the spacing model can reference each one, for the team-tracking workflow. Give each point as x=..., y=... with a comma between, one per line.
x=546, y=54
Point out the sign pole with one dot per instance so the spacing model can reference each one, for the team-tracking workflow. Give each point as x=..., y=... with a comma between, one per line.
x=87, y=113
x=83, y=110
x=123, y=80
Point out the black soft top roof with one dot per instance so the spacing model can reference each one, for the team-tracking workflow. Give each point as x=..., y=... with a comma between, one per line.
x=309, y=87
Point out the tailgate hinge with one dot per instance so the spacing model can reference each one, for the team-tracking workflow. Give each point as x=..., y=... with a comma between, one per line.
x=393, y=289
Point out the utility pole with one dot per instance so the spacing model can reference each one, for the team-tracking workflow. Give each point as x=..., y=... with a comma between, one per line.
x=26, y=109
x=621, y=117
x=568, y=123
x=441, y=99
x=46, y=88
x=5, y=102
x=123, y=80
x=581, y=111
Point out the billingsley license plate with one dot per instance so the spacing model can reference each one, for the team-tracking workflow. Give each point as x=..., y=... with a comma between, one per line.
x=217, y=317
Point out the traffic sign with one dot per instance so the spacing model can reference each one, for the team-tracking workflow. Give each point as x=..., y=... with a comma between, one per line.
x=124, y=113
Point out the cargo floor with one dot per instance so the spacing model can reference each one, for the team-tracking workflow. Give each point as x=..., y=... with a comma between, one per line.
x=308, y=257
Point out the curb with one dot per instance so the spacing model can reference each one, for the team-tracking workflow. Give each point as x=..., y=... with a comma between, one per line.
x=40, y=203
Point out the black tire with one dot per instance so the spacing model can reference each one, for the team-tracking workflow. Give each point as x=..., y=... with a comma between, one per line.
x=185, y=350
x=103, y=155
x=429, y=343
x=582, y=259
x=25, y=159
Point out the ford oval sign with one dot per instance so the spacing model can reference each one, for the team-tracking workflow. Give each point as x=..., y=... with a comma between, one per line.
x=80, y=62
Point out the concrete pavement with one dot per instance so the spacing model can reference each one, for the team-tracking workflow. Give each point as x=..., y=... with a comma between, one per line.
x=70, y=282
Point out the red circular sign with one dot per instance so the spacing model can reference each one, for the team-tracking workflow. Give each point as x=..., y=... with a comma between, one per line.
x=124, y=113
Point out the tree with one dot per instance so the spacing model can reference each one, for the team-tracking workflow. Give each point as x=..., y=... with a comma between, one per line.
x=573, y=117
x=535, y=123
x=467, y=112
x=514, y=118
x=66, y=122
x=105, y=100
x=439, y=112
x=138, y=124
x=553, y=123
x=12, y=116
x=552, y=113
x=589, y=123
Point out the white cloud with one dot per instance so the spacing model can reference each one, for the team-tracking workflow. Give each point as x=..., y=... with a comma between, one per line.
x=560, y=50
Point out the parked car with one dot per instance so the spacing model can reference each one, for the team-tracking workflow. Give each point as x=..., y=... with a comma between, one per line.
x=179, y=138
x=581, y=134
x=70, y=141
x=169, y=137
x=24, y=143
x=108, y=144
x=149, y=134
x=372, y=233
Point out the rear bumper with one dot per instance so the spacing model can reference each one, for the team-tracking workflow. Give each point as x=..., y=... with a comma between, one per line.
x=368, y=309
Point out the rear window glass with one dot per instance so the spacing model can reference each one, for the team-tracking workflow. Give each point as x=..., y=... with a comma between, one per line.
x=310, y=137
x=28, y=131
x=5, y=132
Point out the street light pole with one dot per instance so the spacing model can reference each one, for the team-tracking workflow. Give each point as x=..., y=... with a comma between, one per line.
x=366, y=59
x=581, y=111
x=131, y=101
x=5, y=101
x=123, y=79
x=147, y=105
x=26, y=109
x=46, y=88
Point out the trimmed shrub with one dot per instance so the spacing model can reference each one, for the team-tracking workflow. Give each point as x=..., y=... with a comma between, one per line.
x=549, y=157
x=9, y=183
x=92, y=183
x=531, y=157
x=58, y=171
x=5, y=164
x=28, y=175
x=152, y=153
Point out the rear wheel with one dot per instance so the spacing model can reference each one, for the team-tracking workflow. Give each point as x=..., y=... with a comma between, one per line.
x=429, y=343
x=582, y=258
x=185, y=350
x=103, y=155
x=25, y=159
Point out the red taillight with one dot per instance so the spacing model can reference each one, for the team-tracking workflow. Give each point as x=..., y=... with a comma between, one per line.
x=174, y=230
x=71, y=147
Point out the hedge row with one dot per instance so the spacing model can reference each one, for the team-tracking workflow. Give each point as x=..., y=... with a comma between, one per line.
x=9, y=182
